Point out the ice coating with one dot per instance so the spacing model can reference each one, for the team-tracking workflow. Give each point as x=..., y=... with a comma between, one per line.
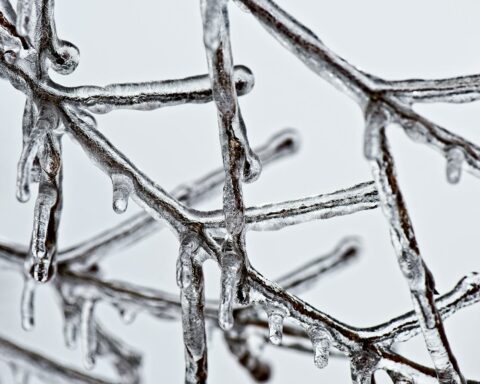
x=47, y=121
x=8, y=11
x=30, y=46
x=417, y=275
x=25, y=17
x=152, y=95
x=232, y=273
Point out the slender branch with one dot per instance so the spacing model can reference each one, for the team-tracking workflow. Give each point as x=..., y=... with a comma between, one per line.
x=134, y=229
x=44, y=368
x=416, y=273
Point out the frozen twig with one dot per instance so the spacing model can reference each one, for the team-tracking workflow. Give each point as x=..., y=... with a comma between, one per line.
x=29, y=47
x=48, y=371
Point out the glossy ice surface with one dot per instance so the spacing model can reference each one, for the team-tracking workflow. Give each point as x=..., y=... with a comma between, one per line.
x=250, y=306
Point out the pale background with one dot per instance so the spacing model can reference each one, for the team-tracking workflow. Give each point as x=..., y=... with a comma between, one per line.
x=124, y=41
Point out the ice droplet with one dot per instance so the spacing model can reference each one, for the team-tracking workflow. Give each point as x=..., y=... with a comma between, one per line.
x=128, y=315
x=65, y=57
x=122, y=187
x=321, y=343
x=455, y=159
x=28, y=304
x=275, y=325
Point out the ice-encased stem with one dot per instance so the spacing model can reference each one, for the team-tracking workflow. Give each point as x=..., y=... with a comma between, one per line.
x=48, y=206
x=239, y=160
x=33, y=139
x=416, y=273
x=282, y=144
x=192, y=298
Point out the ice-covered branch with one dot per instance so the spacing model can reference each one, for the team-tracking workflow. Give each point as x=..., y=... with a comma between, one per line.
x=416, y=273
x=279, y=215
x=149, y=95
x=90, y=251
x=460, y=89
x=48, y=371
x=29, y=47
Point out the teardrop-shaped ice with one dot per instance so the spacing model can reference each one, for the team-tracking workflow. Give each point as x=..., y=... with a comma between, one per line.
x=128, y=315
x=122, y=187
x=321, y=343
x=275, y=325
x=455, y=159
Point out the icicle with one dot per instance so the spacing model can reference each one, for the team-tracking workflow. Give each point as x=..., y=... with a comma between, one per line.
x=41, y=260
x=28, y=304
x=275, y=324
x=122, y=188
x=231, y=265
x=321, y=343
x=455, y=159
x=88, y=333
x=19, y=375
x=25, y=17
x=47, y=121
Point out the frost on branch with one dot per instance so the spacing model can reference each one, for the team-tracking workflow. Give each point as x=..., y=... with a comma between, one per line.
x=251, y=310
